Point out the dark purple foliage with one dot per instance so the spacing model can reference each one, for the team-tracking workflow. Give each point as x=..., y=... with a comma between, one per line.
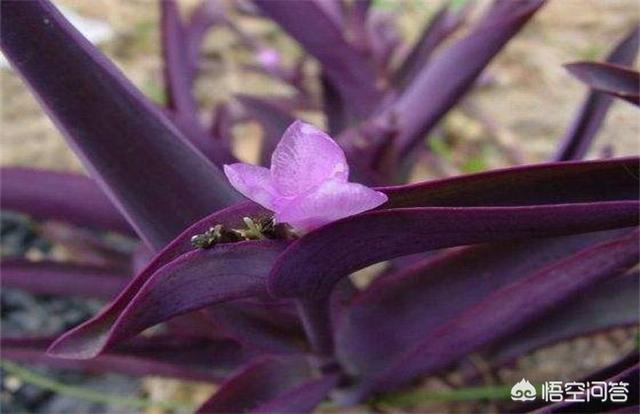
x=510, y=260
x=621, y=82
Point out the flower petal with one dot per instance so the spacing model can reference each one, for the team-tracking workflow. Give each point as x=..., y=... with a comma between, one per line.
x=304, y=158
x=333, y=200
x=253, y=182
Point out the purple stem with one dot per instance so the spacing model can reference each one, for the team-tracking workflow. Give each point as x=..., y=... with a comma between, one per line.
x=316, y=321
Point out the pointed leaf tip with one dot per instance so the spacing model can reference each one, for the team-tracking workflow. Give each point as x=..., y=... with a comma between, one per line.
x=109, y=122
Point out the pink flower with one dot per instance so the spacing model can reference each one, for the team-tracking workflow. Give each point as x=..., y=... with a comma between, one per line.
x=268, y=58
x=307, y=185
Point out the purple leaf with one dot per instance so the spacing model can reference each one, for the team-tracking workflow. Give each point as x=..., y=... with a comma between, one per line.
x=263, y=325
x=397, y=232
x=307, y=185
x=574, y=182
x=611, y=79
x=333, y=106
x=274, y=121
x=268, y=328
x=222, y=124
x=384, y=40
x=53, y=278
x=192, y=281
x=506, y=310
x=179, y=81
x=443, y=24
x=203, y=18
x=194, y=359
x=216, y=150
x=593, y=111
x=378, y=324
x=59, y=196
x=351, y=71
x=110, y=123
x=333, y=9
x=360, y=10
x=93, y=332
x=605, y=306
x=451, y=73
x=195, y=324
x=355, y=24
x=272, y=385
x=177, y=72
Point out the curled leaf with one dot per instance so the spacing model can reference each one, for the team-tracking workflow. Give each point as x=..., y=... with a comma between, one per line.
x=593, y=111
x=89, y=339
x=614, y=80
x=272, y=384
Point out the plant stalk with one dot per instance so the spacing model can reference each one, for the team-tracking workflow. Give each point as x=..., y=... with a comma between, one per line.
x=316, y=320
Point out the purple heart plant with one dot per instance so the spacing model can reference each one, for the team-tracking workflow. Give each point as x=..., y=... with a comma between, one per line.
x=246, y=277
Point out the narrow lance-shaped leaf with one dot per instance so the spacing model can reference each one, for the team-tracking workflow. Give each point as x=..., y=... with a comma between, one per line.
x=334, y=9
x=274, y=121
x=355, y=23
x=593, y=111
x=333, y=106
x=397, y=232
x=221, y=124
x=384, y=41
x=210, y=145
x=52, y=195
x=192, y=281
x=320, y=35
x=178, y=74
x=179, y=78
x=272, y=385
x=506, y=310
x=90, y=337
x=188, y=358
x=618, y=81
x=601, y=180
x=451, y=73
x=561, y=183
x=139, y=159
x=444, y=23
x=610, y=305
x=66, y=279
x=378, y=325
x=201, y=20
